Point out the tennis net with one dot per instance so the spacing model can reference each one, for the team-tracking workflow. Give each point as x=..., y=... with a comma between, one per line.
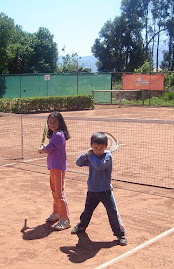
x=144, y=155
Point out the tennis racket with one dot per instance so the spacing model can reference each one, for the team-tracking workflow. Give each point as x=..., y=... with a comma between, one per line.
x=112, y=142
x=44, y=134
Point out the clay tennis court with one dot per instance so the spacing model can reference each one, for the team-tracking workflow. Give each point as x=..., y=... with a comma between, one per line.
x=27, y=242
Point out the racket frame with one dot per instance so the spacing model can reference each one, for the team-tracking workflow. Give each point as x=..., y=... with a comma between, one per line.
x=113, y=139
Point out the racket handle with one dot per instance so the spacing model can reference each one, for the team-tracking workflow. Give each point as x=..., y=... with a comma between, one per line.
x=42, y=146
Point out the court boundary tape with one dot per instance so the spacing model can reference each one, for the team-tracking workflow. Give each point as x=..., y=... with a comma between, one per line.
x=156, y=238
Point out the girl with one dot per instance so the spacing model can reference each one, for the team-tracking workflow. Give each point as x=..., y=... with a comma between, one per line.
x=56, y=163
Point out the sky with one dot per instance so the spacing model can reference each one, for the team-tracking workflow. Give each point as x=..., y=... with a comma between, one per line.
x=75, y=24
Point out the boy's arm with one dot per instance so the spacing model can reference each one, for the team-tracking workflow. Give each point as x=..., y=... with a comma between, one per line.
x=101, y=163
x=82, y=160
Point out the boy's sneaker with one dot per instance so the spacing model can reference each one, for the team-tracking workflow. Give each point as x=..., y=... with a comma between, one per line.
x=52, y=217
x=77, y=229
x=122, y=240
x=62, y=225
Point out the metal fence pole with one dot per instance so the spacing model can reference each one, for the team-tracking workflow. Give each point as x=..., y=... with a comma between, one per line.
x=77, y=82
x=20, y=94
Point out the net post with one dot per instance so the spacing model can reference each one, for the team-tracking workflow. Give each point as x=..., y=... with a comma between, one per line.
x=22, y=138
x=93, y=95
x=111, y=87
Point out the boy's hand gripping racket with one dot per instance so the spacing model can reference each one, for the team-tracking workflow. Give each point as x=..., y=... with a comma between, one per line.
x=112, y=142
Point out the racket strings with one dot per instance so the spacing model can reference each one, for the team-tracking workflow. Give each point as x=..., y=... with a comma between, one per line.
x=112, y=143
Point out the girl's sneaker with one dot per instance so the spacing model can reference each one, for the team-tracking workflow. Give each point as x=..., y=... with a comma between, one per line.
x=62, y=225
x=52, y=217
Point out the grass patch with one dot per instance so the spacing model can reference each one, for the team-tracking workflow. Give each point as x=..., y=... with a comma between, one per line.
x=166, y=100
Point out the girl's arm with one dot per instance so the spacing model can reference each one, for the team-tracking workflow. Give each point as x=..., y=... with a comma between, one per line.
x=56, y=141
x=42, y=149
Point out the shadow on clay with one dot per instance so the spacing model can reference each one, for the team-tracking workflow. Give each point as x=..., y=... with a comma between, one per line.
x=85, y=248
x=37, y=232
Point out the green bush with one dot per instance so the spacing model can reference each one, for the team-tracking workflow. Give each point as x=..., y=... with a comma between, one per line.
x=46, y=104
x=5, y=105
x=168, y=96
x=168, y=80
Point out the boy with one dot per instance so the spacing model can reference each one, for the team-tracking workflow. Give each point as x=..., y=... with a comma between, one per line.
x=100, y=189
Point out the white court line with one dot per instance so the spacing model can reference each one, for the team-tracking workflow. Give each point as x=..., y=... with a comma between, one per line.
x=28, y=161
x=136, y=249
x=8, y=164
x=23, y=161
x=71, y=153
x=36, y=159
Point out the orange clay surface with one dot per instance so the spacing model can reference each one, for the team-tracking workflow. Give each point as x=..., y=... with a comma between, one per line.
x=27, y=242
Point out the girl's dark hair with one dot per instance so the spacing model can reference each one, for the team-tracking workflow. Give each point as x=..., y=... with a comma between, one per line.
x=99, y=138
x=62, y=125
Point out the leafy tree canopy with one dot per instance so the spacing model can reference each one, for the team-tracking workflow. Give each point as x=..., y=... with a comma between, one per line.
x=22, y=52
x=130, y=39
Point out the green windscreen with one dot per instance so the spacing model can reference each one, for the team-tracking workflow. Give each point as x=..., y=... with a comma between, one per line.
x=89, y=82
x=102, y=97
x=27, y=85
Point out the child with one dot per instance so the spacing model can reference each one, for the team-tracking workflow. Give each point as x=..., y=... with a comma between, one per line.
x=56, y=163
x=100, y=189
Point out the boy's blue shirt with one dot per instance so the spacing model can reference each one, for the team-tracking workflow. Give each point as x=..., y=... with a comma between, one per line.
x=100, y=169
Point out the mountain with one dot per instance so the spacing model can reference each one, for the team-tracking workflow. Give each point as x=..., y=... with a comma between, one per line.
x=89, y=62
x=85, y=61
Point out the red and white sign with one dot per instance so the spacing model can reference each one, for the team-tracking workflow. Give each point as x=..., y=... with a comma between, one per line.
x=143, y=82
x=47, y=77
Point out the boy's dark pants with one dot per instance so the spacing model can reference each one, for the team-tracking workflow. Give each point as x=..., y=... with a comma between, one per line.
x=107, y=198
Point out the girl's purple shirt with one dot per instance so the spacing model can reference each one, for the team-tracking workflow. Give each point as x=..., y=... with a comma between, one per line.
x=56, y=158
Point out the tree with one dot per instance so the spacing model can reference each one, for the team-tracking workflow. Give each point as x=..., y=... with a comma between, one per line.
x=119, y=46
x=168, y=61
x=125, y=43
x=2, y=86
x=145, y=68
x=155, y=17
x=22, y=53
x=70, y=64
x=7, y=31
x=136, y=12
x=45, y=52
x=159, y=11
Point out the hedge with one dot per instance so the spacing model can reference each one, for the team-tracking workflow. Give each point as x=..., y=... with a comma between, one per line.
x=46, y=104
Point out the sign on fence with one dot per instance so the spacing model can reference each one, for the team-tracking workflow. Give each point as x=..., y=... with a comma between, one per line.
x=143, y=82
x=47, y=77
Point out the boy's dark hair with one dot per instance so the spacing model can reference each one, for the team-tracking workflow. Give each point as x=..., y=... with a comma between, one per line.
x=99, y=138
x=62, y=125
